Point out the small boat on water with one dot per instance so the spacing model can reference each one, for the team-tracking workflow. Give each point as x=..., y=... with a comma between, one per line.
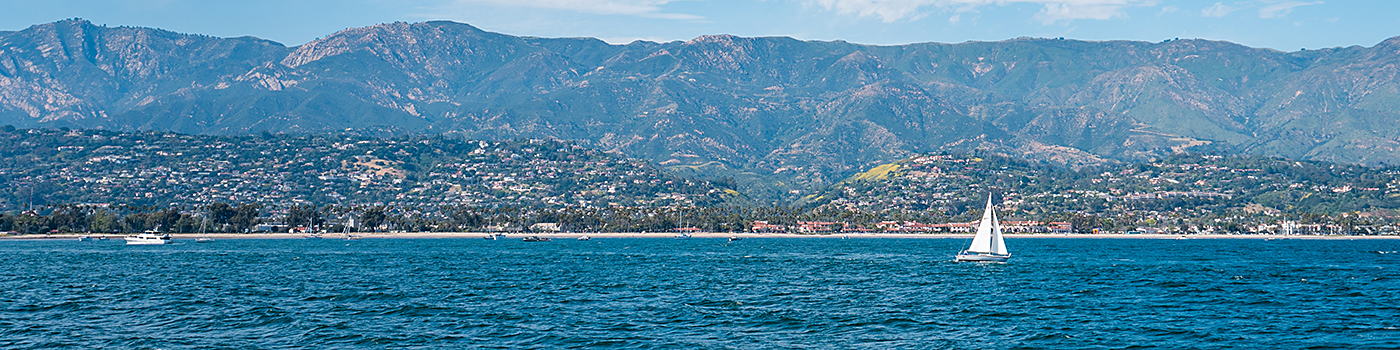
x=734, y=238
x=312, y=236
x=84, y=238
x=151, y=237
x=537, y=239
x=204, y=240
x=584, y=238
x=987, y=245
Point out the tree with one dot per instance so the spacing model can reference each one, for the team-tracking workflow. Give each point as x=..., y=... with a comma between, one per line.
x=102, y=221
x=304, y=216
x=221, y=213
x=372, y=218
x=134, y=222
x=164, y=220
x=244, y=217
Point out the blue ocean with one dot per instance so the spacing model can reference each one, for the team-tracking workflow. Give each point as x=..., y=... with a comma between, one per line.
x=874, y=293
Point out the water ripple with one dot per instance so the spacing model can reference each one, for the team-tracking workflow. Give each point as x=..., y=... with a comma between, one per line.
x=700, y=293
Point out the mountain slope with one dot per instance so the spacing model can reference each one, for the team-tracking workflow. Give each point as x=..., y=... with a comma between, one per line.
x=766, y=110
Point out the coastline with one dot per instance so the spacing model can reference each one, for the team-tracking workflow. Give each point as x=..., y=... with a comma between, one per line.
x=575, y=235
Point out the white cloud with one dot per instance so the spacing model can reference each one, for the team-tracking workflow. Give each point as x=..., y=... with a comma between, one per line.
x=1280, y=9
x=1217, y=10
x=639, y=8
x=1053, y=10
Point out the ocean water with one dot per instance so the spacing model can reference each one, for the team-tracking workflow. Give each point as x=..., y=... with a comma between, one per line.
x=874, y=293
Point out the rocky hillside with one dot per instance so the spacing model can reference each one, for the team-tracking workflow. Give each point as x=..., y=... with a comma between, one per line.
x=796, y=114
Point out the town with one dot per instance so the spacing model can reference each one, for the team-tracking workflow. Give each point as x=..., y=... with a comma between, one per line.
x=60, y=180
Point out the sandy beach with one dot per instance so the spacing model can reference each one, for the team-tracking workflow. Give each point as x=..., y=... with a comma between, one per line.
x=575, y=235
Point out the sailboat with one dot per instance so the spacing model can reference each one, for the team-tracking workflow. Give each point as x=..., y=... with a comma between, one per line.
x=348, y=224
x=987, y=246
x=203, y=229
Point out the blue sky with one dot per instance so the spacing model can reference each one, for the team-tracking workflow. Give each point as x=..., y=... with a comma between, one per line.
x=1287, y=25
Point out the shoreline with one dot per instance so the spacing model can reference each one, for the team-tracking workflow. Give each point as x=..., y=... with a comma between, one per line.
x=575, y=235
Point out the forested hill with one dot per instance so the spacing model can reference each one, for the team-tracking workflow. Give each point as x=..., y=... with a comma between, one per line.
x=422, y=177
x=1199, y=190
x=773, y=110
x=163, y=170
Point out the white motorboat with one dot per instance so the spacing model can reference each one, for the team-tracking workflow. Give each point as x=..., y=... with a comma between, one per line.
x=584, y=238
x=151, y=237
x=987, y=245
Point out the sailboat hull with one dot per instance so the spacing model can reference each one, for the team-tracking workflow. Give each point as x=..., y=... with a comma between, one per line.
x=982, y=257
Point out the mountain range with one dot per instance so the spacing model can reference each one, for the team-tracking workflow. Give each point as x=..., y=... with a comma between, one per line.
x=781, y=114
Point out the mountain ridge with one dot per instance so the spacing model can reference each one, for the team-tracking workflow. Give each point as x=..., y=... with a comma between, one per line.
x=768, y=109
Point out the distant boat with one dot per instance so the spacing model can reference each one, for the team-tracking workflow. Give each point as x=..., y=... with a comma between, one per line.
x=151, y=237
x=987, y=245
x=204, y=240
x=84, y=238
x=584, y=238
x=734, y=238
x=537, y=239
x=312, y=236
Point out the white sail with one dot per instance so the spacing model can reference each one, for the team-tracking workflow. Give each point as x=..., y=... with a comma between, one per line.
x=982, y=242
x=998, y=245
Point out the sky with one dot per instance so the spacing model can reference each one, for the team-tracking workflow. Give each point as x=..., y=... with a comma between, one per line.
x=1286, y=25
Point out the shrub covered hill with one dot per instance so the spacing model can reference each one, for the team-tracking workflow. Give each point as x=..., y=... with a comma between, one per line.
x=48, y=166
x=421, y=183
x=1181, y=192
x=776, y=113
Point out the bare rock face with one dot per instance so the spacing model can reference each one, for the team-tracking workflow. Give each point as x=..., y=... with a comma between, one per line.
x=803, y=111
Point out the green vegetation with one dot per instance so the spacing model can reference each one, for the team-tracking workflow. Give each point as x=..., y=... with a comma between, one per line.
x=102, y=181
x=98, y=168
x=782, y=117
x=1179, y=193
